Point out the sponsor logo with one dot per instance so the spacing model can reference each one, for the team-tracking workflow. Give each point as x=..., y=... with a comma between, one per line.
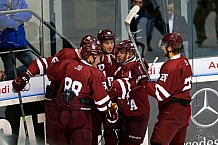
x=213, y=65
x=5, y=89
x=152, y=71
x=204, y=108
x=205, y=141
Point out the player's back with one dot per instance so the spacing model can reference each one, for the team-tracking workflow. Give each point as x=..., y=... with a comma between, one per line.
x=176, y=77
x=80, y=78
x=67, y=53
x=40, y=65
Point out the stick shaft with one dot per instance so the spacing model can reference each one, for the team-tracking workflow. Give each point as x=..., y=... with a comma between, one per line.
x=155, y=60
x=20, y=98
x=128, y=20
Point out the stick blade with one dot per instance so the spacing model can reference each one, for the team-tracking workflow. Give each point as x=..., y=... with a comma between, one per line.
x=131, y=14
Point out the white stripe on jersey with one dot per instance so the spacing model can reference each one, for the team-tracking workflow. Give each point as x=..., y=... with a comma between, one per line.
x=105, y=107
x=123, y=88
x=102, y=108
x=128, y=84
x=41, y=69
x=129, y=88
x=45, y=61
x=109, y=104
x=160, y=89
x=29, y=73
x=102, y=101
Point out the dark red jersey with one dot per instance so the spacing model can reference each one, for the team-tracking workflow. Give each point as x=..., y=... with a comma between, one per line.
x=83, y=79
x=124, y=71
x=175, y=80
x=40, y=65
x=132, y=100
x=108, y=65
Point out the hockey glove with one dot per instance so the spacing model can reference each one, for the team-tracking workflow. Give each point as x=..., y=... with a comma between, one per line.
x=112, y=114
x=138, y=74
x=19, y=83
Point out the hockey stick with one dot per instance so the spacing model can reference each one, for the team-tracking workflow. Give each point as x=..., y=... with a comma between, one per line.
x=128, y=20
x=155, y=60
x=20, y=100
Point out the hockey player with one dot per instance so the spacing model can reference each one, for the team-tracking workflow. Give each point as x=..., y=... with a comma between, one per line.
x=108, y=63
x=132, y=100
x=172, y=92
x=108, y=66
x=40, y=66
x=81, y=84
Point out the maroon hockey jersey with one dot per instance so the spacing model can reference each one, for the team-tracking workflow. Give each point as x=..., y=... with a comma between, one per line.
x=132, y=100
x=108, y=65
x=175, y=80
x=83, y=79
x=40, y=65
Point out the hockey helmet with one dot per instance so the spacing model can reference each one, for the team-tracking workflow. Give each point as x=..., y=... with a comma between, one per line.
x=91, y=49
x=125, y=45
x=88, y=39
x=174, y=39
x=105, y=34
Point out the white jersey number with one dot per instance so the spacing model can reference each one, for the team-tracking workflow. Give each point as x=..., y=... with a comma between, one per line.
x=187, y=83
x=75, y=86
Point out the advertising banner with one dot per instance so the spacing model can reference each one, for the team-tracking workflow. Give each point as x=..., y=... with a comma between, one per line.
x=203, y=129
x=200, y=67
x=11, y=122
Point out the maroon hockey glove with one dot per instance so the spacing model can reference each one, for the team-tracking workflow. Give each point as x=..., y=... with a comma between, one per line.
x=138, y=74
x=19, y=83
x=112, y=114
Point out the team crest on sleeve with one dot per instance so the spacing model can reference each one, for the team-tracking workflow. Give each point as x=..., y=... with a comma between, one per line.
x=54, y=59
x=79, y=67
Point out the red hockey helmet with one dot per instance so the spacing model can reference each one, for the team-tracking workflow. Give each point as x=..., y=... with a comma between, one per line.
x=125, y=45
x=88, y=39
x=174, y=39
x=105, y=34
x=90, y=49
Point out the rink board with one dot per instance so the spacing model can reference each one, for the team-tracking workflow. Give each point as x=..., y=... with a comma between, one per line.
x=203, y=127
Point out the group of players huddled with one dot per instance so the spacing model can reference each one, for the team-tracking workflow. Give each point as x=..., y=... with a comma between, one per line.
x=103, y=83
